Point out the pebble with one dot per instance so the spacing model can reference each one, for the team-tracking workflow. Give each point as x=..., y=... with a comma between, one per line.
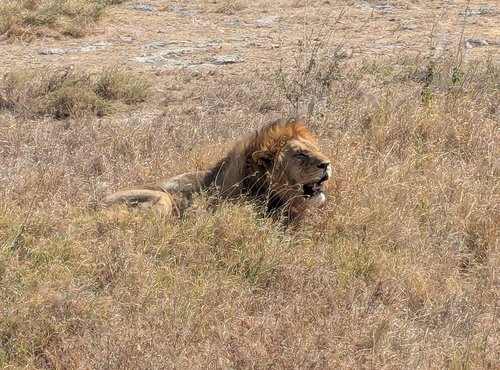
x=477, y=12
x=240, y=38
x=226, y=59
x=162, y=59
x=208, y=43
x=161, y=44
x=92, y=47
x=142, y=7
x=363, y=5
x=85, y=49
x=475, y=43
x=267, y=21
x=127, y=39
x=52, y=52
x=236, y=22
x=181, y=10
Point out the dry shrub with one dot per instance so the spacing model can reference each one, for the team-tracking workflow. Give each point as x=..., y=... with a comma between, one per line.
x=116, y=83
x=64, y=93
x=227, y=6
x=29, y=19
x=69, y=101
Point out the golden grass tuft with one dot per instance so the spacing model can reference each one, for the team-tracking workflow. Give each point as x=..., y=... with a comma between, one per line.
x=28, y=19
x=63, y=93
x=227, y=7
x=116, y=83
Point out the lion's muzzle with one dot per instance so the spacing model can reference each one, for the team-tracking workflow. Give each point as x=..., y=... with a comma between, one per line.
x=314, y=191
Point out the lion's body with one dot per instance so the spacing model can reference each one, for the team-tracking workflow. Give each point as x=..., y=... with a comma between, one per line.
x=278, y=165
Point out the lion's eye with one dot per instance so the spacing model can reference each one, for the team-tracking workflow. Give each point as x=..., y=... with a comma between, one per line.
x=301, y=157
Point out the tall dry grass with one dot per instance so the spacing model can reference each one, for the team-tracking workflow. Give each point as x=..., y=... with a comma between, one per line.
x=65, y=92
x=399, y=270
x=29, y=19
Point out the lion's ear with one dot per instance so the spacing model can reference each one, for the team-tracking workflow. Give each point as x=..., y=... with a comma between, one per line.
x=263, y=159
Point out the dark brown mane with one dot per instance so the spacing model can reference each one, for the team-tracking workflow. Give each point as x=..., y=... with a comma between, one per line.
x=267, y=139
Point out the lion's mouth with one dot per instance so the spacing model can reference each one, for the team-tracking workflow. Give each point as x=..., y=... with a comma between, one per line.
x=313, y=189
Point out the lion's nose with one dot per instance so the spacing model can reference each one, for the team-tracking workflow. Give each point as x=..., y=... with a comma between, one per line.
x=324, y=165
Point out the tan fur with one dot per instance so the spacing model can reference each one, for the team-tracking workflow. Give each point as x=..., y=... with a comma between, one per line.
x=270, y=165
x=162, y=201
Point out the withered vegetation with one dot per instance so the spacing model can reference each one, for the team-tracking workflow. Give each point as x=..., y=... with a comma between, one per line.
x=63, y=93
x=29, y=19
x=399, y=270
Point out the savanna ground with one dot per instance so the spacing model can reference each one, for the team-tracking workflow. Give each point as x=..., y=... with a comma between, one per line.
x=398, y=270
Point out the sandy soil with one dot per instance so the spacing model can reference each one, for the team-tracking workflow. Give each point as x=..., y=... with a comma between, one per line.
x=177, y=35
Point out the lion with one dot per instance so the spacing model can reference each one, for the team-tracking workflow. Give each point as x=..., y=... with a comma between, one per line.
x=278, y=166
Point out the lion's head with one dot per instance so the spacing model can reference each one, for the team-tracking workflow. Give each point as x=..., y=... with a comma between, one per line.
x=302, y=170
x=280, y=163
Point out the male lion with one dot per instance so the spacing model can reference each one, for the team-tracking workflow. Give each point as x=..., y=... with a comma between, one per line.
x=279, y=165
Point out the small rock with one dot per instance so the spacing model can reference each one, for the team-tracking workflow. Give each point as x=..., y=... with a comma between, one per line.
x=207, y=43
x=240, y=38
x=267, y=21
x=156, y=45
x=47, y=39
x=127, y=39
x=408, y=28
x=236, y=22
x=341, y=53
x=177, y=8
x=142, y=7
x=156, y=57
x=475, y=43
x=168, y=30
x=163, y=60
x=477, y=12
x=363, y=5
x=386, y=8
x=176, y=63
x=52, y=52
x=93, y=47
x=226, y=59
x=85, y=49
x=255, y=45
x=161, y=44
x=181, y=10
x=180, y=51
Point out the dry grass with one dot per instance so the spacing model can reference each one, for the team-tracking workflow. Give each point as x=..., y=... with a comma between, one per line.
x=228, y=7
x=399, y=270
x=28, y=19
x=63, y=93
x=115, y=83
